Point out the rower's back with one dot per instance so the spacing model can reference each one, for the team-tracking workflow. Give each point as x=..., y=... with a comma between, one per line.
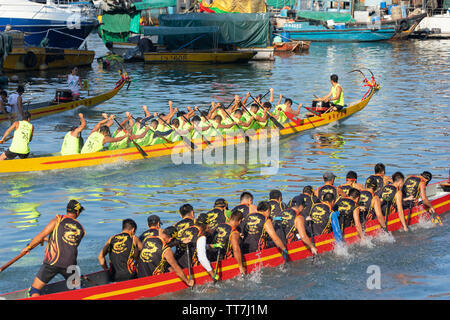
x=255, y=238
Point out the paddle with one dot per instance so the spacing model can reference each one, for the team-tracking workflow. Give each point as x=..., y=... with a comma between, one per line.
x=279, y=125
x=144, y=154
x=217, y=264
x=6, y=265
x=186, y=140
x=312, y=239
x=189, y=263
x=410, y=212
x=386, y=216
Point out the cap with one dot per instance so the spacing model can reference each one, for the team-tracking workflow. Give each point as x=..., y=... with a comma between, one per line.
x=171, y=232
x=221, y=202
x=298, y=201
x=153, y=220
x=202, y=219
x=74, y=206
x=329, y=175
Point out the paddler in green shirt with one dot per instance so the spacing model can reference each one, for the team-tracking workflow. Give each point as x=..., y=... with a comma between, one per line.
x=286, y=107
x=100, y=135
x=23, y=134
x=72, y=142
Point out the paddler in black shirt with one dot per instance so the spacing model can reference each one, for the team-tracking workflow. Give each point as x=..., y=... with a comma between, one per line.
x=123, y=250
x=62, y=248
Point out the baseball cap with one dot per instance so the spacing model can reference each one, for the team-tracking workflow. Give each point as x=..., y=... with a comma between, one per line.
x=74, y=206
x=153, y=220
x=329, y=175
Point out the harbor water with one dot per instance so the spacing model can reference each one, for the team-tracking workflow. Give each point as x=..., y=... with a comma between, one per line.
x=405, y=126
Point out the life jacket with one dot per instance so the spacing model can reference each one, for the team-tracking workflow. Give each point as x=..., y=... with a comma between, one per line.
x=121, y=256
x=327, y=188
x=245, y=210
x=216, y=216
x=181, y=226
x=345, y=206
x=151, y=259
x=62, y=247
x=21, y=138
x=94, y=143
x=320, y=215
x=71, y=145
x=255, y=237
x=222, y=235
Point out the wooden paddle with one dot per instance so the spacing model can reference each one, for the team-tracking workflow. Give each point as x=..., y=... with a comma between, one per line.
x=6, y=265
x=411, y=206
x=386, y=217
x=279, y=125
x=144, y=154
x=312, y=239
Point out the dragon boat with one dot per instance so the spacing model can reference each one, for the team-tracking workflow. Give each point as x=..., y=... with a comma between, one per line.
x=57, y=162
x=97, y=286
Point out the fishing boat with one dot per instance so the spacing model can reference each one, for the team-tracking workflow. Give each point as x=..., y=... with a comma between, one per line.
x=198, y=57
x=38, y=58
x=97, y=286
x=47, y=23
x=47, y=108
x=291, y=46
x=57, y=162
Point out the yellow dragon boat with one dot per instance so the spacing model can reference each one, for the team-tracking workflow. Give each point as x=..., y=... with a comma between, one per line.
x=47, y=108
x=57, y=162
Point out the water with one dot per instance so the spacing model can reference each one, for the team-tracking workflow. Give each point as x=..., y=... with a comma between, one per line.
x=405, y=126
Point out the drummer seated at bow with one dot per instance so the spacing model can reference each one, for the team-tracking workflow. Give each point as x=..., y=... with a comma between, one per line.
x=333, y=101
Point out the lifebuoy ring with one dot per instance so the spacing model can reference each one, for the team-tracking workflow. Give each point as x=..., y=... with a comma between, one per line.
x=30, y=59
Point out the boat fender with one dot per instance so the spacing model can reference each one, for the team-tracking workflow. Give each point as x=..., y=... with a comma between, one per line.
x=30, y=59
x=404, y=25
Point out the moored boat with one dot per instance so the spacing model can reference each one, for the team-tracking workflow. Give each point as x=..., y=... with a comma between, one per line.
x=97, y=286
x=55, y=161
x=47, y=108
x=198, y=57
x=37, y=58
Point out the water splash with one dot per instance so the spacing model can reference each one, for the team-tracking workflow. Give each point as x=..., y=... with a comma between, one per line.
x=341, y=250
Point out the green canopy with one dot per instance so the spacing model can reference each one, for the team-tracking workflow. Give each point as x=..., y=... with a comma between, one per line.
x=279, y=4
x=325, y=15
x=240, y=29
x=446, y=4
x=154, y=4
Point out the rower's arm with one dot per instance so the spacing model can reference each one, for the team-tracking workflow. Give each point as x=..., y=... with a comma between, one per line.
x=378, y=212
x=300, y=226
x=14, y=126
x=279, y=100
x=237, y=253
x=168, y=255
x=20, y=106
x=268, y=226
x=401, y=214
x=358, y=225
x=244, y=101
x=81, y=126
x=201, y=254
x=40, y=237
x=116, y=139
x=271, y=95
x=101, y=256
x=423, y=195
